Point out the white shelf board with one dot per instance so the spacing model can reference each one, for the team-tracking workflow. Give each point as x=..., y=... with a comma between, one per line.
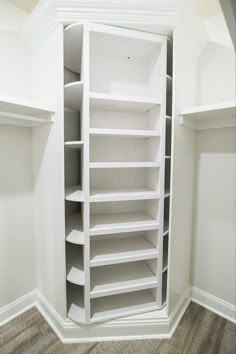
x=113, y=102
x=75, y=272
x=73, y=93
x=121, y=305
x=121, y=222
x=168, y=83
x=73, y=39
x=74, y=229
x=16, y=111
x=74, y=144
x=110, y=195
x=74, y=194
x=122, y=278
x=135, y=133
x=121, y=250
x=218, y=115
x=124, y=164
x=76, y=313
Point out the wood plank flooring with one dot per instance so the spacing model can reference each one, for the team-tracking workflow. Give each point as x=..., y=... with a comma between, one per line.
x=200, y=331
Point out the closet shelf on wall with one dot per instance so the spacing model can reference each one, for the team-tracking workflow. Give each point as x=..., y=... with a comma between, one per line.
x=16, y=111
x=219, y=115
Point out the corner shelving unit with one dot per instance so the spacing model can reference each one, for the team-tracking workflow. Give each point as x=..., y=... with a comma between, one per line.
x=219, y=115
x=117, y=169
x=15, y=111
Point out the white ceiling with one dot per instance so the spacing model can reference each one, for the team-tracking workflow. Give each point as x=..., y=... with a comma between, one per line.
x=25, y=5
x=207, y=8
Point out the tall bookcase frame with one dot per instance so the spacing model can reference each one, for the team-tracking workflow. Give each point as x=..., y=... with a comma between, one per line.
x=119, y=267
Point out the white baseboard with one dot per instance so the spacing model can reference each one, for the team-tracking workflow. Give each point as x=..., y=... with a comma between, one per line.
x=214, y=304
x=151, y=325
x=17, y=307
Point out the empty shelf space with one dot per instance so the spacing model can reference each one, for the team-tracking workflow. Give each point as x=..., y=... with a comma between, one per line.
x=74, y=144
x=76, y=313
x=73, y=40
x=135, y=133
x=168, y=83
x=73, y=93
x=105, y=195
x=74, y=194
x=122, y=278
x=211, y=116
x=121, y=222
x=120, y=250
x=15, y=111
x=124, y=164
x=121, y=103
x=74, y=229
x=122, y=305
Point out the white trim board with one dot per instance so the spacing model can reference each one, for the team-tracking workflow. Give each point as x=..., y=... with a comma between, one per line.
x=214, y=304
x=152, y=325
x=144, y=326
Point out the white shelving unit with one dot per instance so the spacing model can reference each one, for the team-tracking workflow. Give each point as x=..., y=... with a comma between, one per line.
x=15, y=111
x=117, y=170
x=220, y=115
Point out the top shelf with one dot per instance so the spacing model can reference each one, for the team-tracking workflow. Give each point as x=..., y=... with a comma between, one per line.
x=218, y=115
x=73, y=41
x=15, y=111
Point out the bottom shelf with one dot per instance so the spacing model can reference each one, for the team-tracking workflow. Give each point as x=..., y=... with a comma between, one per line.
x=122, y=305
x=75, y=302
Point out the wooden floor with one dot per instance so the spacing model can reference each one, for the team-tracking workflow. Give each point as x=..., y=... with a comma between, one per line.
x=200, y=331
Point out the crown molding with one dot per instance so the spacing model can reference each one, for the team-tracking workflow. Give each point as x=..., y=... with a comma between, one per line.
x=156, y=16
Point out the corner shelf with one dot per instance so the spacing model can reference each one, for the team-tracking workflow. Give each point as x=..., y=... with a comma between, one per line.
x=113, y=102
x=16, y=111
x=114, y=251
x=74, y=144
x=74, y=229
x=73, y=95
x=120, y=279
x=220, y=115
x=74, y=194
x=121, y=222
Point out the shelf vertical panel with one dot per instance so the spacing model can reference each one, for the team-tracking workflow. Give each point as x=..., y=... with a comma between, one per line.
x=85, y=167
x=162, y=166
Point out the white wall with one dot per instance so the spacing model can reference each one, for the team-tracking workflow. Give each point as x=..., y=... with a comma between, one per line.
x=17, y=272
x=48, y=167
x=17, y=275
x=213, y=263
x=213, y=252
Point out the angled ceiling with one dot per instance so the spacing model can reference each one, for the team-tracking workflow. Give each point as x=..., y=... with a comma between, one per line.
x=25, y=5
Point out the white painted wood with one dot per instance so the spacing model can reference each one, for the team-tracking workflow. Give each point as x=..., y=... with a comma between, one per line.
x=106, y=195
x=124, y=132
x=16, y=111
x=124, y=164
x=121, y=250
x=74, y=194
x=73, y=40
x=212, y=116
x=74, y=229
x=74, y=144
x=73, y=93
x=122, y=304
x=121, y=103
x=121, y=222
x=123, y=278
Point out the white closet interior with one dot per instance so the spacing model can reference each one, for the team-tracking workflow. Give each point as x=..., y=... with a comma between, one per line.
x=117, y=132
